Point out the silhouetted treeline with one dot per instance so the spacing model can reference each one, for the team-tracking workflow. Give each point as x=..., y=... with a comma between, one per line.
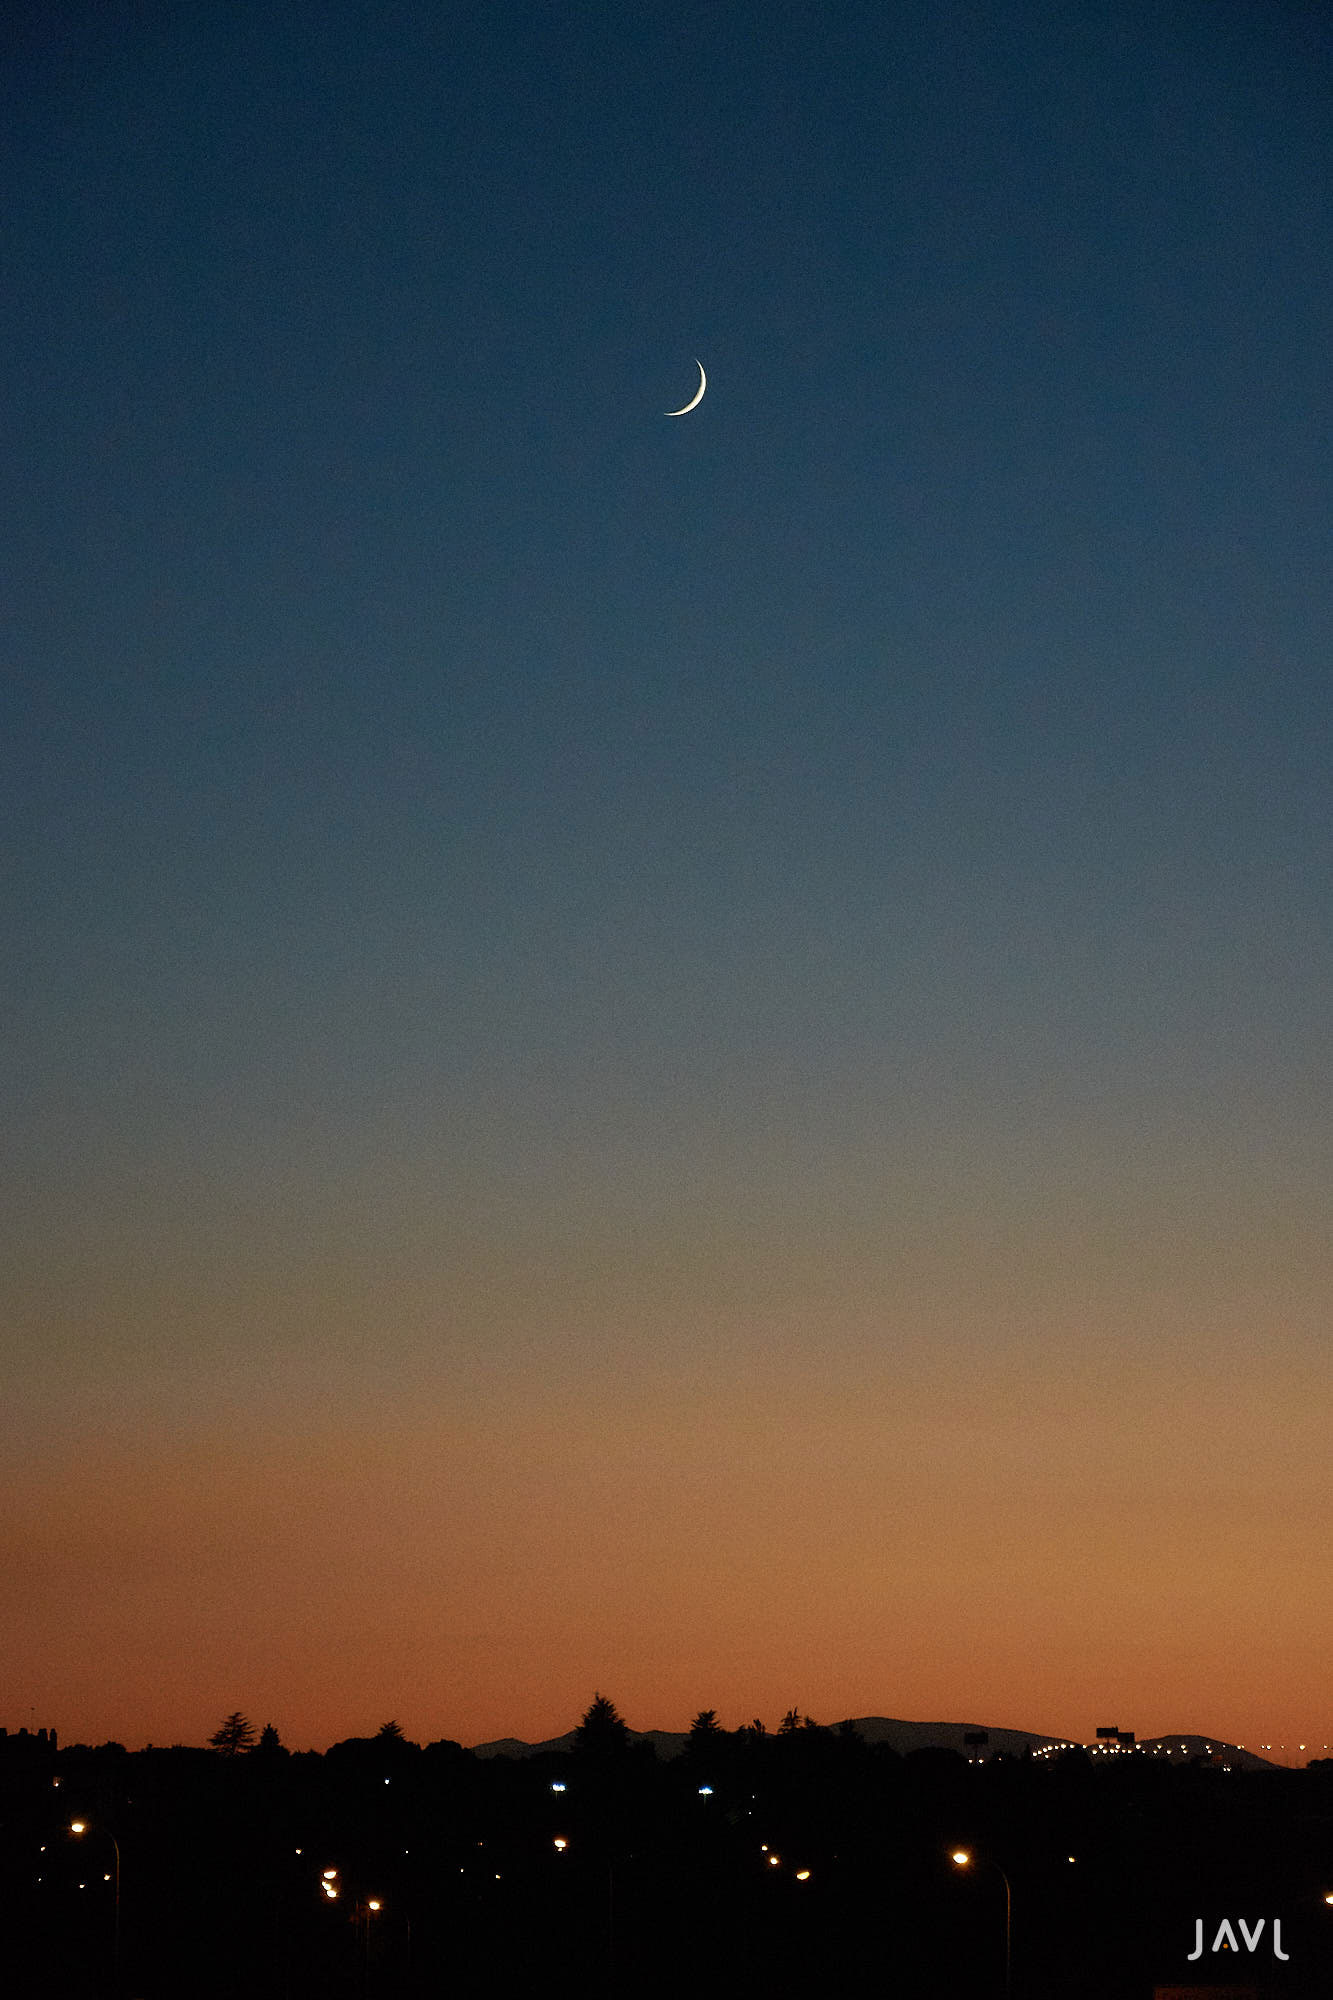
x=802, y=1862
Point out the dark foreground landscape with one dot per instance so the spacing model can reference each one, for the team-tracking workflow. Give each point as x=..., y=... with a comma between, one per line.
x=808, y=1862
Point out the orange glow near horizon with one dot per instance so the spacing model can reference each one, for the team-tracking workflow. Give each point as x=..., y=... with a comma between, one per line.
x=911, y=1538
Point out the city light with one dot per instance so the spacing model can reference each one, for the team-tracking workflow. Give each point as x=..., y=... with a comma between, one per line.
x=962, y=1857
x=80, y=1826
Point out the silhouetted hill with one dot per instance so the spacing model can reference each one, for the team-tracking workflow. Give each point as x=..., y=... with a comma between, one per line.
x=666, y=1742
x=905, y=1737
x=900, y=1736
x=1183, y=1749
x=514, y=1746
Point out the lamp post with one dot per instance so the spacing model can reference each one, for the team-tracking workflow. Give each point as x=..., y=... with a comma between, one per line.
x=368, y=1907
x=962, y=1857
x=81, y=1826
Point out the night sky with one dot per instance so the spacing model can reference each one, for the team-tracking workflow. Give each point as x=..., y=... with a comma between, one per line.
x=689, y=1056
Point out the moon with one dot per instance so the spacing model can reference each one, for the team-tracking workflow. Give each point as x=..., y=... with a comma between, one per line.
x=696, y=398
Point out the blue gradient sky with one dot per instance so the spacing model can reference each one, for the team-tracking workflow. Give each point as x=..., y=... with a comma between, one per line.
x=693, y=1056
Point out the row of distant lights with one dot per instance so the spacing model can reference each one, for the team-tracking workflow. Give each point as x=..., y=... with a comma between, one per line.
x=961, y=1857
x=558, y=1785
x=81, y=1826
x=75, y=1826
x=561, y=1844
x=329, y=1878
x=775, y=1861
x=1119, y=1749
x=329, y=1883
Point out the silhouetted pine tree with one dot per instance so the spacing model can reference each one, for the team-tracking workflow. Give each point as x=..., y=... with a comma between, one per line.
x=235, y=1735
x=602, y=1733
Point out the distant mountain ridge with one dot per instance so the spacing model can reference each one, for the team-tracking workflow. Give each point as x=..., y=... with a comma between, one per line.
x=905, y=1737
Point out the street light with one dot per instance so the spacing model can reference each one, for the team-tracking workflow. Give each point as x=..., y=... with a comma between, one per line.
x=80, y=1826
x=962, y=1857
x=361, y=1916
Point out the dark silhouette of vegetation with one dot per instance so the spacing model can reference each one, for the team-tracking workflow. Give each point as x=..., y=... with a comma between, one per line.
x=794, y=1720
x=602, y=1733
x=235, y=1735
x=805, y=1862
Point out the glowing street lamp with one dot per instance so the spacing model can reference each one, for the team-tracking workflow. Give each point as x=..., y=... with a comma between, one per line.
x=81, y=1826
x=962, y=1857
x=362, y=1913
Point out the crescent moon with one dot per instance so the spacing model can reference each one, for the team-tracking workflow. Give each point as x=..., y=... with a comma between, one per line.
x=696, y=398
